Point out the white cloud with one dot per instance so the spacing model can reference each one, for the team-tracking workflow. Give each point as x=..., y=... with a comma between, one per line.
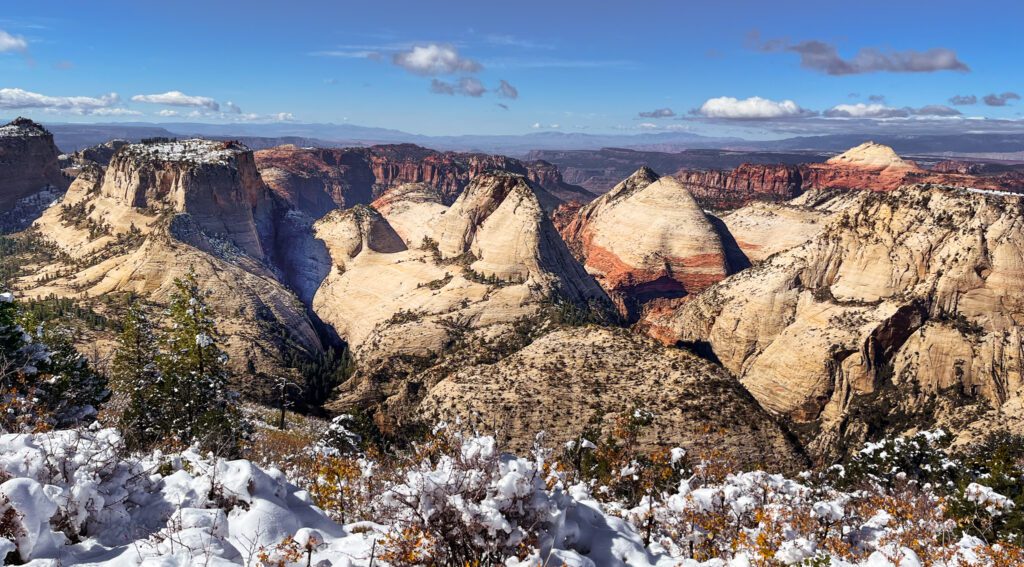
x=648, y=126
x=178, y=98
x=116, y=111
x=861, y=110
x=536, y=125
x=435, y=59
x=752, y=108
x=232, y=108
x=165, y=112
x=19, y=98
x=284, y=117
x=12, y=43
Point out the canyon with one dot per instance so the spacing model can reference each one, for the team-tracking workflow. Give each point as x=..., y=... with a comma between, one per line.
x=820, y=306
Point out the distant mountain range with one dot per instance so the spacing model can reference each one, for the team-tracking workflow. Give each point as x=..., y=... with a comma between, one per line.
x=70, y=137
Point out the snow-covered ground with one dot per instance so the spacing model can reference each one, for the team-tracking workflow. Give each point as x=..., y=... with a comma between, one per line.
x=72, y=498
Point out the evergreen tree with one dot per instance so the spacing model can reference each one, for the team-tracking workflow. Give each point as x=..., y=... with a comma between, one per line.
x=70, y=390
x=194, y=378
x=44, y=381
x=135, y=377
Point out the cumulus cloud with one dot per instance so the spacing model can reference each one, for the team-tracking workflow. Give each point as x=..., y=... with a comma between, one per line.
x=167, y=113
x=19, y=98
x=658, y=113
x=505, y=90
x=466, y=86
x=961, y=100
x=1000, y=99
x=232, y=108
x=284, y=117
x=12, y=43
x=753, y=108
x=434, y=59
x=824, y=57
x=178, y=98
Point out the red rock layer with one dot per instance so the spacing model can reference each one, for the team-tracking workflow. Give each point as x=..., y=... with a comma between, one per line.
x=749, y=182
x=319, y=180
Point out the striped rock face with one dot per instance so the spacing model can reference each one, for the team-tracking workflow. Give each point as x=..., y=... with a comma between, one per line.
x=28, y=162
x=647, y=241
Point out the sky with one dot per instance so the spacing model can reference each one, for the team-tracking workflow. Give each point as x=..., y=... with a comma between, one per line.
x=752, y=69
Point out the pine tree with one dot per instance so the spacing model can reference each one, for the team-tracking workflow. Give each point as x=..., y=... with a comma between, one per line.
x=194, y=387
x=134, y=376
x=70, y=390
x=44, y=381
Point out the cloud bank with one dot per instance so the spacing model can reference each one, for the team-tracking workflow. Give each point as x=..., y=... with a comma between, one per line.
x=178, y=98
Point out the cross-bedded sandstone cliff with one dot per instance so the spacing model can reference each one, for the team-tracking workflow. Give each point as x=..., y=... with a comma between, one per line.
x=160, y=210
x=647, y=240
x=904, y=310
x=487, y=265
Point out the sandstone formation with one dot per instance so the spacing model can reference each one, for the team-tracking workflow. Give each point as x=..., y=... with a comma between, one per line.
x=749, y=182
x=492, y=260
x=904, y=311
x=762, y=229
x=648, y=239
x=868, y=166
x=586, y=375
x=28, y=165
x=412, y=210
x=316, y=181
x=162, y=209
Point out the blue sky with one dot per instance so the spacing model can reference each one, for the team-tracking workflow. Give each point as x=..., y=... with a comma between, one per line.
x=436, y=67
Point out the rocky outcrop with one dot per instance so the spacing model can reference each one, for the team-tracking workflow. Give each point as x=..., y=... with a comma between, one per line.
x=492, y=260
x=868, y=166
x=574, y=378
x=762, y=229
x=955, y=166
x=904, y=311
x=646, y=240
x=876, y=167
x=749, y=182
x=216, y=183
x=412, y=210
x=28, y=165
x=160, y=210
x=100, y=155
x=316, y=181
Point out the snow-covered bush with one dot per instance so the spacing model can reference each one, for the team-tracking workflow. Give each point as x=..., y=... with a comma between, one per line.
x=461, y=501
x=75, y=496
